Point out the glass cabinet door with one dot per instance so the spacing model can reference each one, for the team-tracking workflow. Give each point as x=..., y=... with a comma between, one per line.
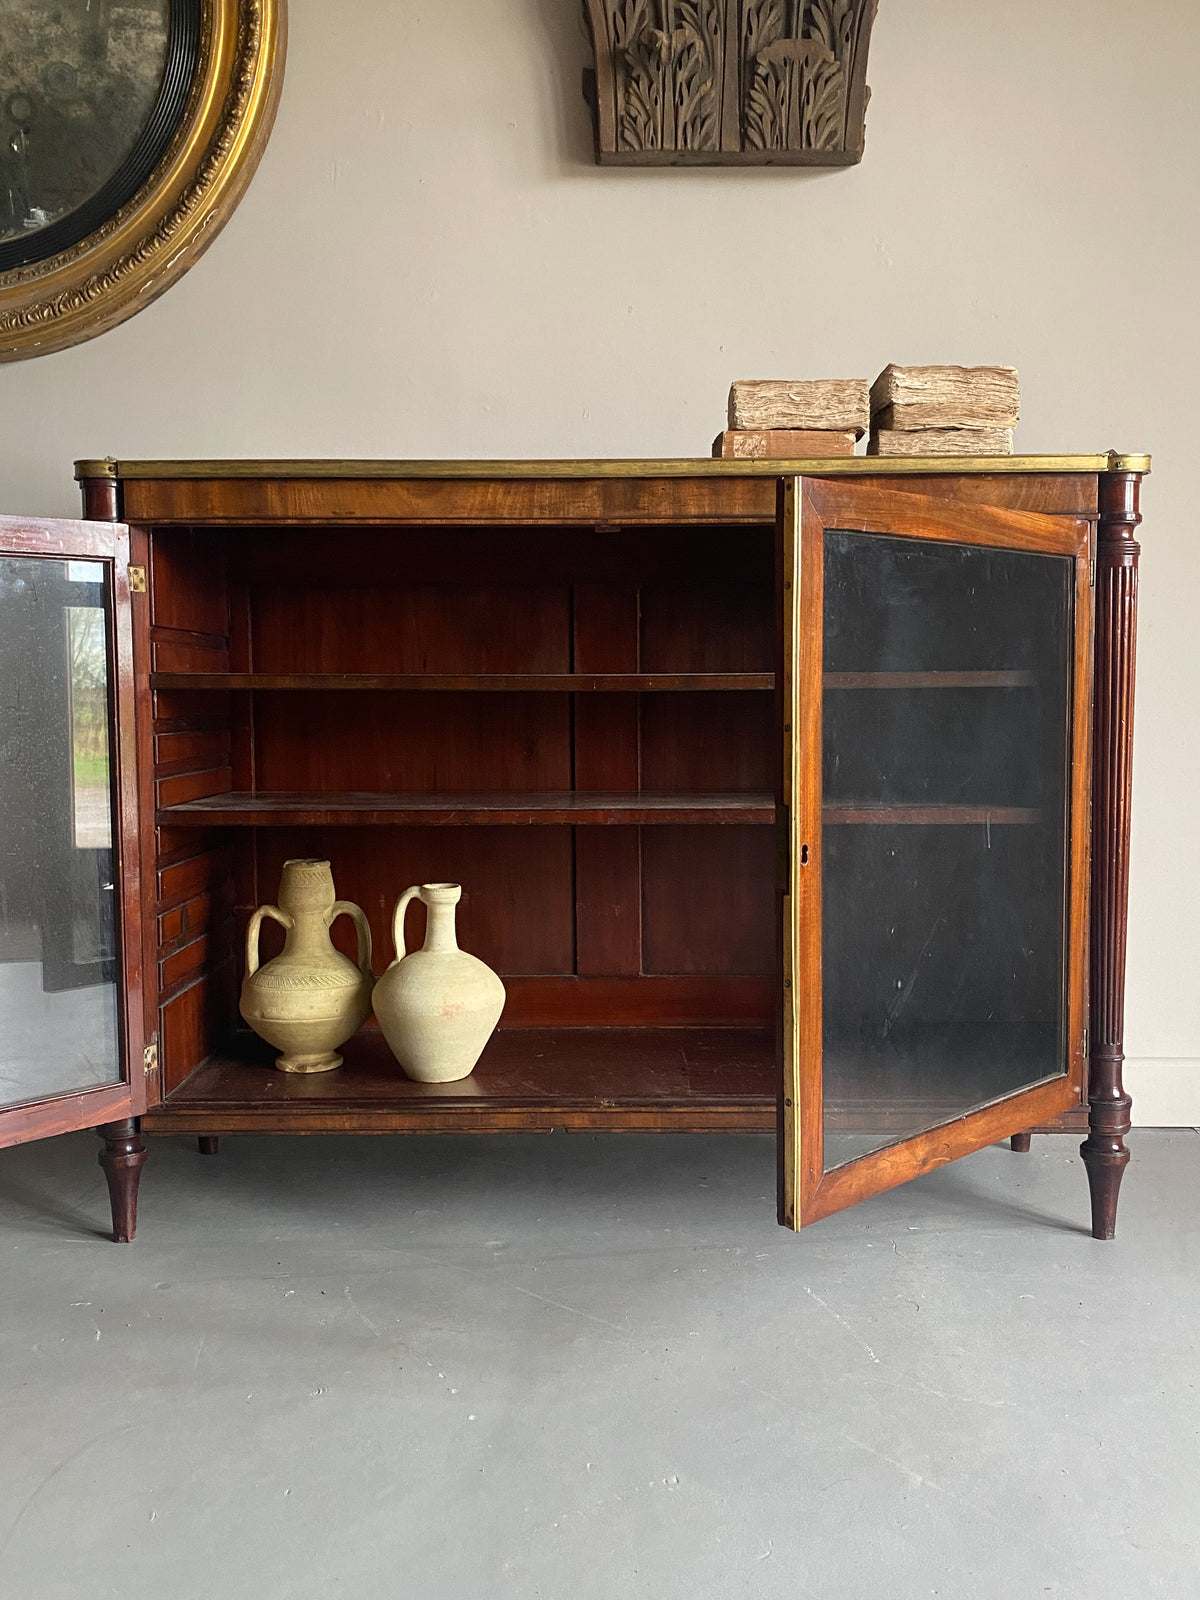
x=934, y=725
x=69, y=919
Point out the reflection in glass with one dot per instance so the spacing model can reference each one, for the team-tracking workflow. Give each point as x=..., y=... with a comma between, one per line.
x=946, y=724
x=78, y=81
x=58, y=1002
x=91, y=809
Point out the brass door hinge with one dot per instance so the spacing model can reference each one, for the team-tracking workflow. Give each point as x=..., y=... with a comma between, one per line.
x=1085, y=1044
x=150, y=1058
x=137, y=580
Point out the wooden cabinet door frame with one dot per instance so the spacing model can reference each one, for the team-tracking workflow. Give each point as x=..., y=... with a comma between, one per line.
x=807, y=508
x=107, y=543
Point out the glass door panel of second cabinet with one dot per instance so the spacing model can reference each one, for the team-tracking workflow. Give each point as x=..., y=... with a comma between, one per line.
x=946, y=707
x=58, y=936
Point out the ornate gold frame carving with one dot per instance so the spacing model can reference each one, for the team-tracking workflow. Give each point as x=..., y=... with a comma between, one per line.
x=138, y=252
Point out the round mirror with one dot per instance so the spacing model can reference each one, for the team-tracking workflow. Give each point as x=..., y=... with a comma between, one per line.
x=128, y=131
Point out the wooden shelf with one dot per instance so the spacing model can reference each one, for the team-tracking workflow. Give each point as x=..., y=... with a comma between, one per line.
x=574, y=682
x=503, y=683
x=929, y=680
x=556, y=807
x=929, y=815
x=687, y=1079
x=290, y=809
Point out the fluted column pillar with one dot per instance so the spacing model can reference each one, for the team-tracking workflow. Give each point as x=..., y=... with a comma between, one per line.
x=1117, y=554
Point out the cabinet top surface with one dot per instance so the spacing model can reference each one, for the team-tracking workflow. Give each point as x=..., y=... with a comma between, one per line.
x=679, y=467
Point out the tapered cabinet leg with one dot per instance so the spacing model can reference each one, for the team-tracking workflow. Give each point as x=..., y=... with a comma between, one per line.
x=1020, y=1142
x=1117, y=552
x=209, y=1144
x=122, y=1156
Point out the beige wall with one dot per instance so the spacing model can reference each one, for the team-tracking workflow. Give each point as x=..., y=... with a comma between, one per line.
x=428, y=264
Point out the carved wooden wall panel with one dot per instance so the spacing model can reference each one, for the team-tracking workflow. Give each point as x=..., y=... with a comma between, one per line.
x=729, y=82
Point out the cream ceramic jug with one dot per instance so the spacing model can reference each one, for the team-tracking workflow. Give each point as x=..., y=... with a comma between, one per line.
x=438, y=1006
x=310, y=998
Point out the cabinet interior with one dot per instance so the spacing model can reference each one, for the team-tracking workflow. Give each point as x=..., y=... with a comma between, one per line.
x=596, y=704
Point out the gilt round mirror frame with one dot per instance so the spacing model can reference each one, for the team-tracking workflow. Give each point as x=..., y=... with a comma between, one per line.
x=128, y=134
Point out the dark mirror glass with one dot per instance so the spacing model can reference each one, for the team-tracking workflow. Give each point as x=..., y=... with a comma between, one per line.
x=58, y=970
x=79, y=81
x=946, y=747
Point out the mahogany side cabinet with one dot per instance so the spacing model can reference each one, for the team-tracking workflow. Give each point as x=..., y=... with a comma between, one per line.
x=786, y=796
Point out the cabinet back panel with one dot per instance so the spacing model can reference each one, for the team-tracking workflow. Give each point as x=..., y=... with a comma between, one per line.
x=418, y=628
x=413, y=741
x=709, y=900
x=517, y=910
x=723, y=627
x=707, y=743
x=324, y=559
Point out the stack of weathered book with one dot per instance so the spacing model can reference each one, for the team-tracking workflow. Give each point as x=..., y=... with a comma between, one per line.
x=808, y=418
x=944, y=411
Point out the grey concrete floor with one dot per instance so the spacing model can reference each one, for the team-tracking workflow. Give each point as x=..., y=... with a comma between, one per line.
x=594, y=1368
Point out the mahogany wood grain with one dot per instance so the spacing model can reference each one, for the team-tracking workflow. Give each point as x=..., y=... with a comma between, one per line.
x=608, y=901
x=603, y=1078
x=193, y=1020
x=184, y=921
x=188, y=653
x=631, y=501
x=606, y=750
x=400, y=626
x=725, y=624
x=150, y=842
x=68, y=1113
x=707, y=743
x=1070, y=494
x=205, y=873
x=870, y=508
x=711, y=1000
x=181, y=787
x=807, y=1190
x=413, y=743
x=476, y=683
x=1117, y=553
x=184, y=958
x=58, y=536
x=101, y=499
x=710, y=901
x=188, y=596
x=402, y=557
x=548, y=807
x=884, y=1169
x=185, y=750
x=802, y=1152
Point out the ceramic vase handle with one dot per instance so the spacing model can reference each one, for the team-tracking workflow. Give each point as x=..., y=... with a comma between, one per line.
x=398, y=919
x=362, y=927
x=281, y=917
